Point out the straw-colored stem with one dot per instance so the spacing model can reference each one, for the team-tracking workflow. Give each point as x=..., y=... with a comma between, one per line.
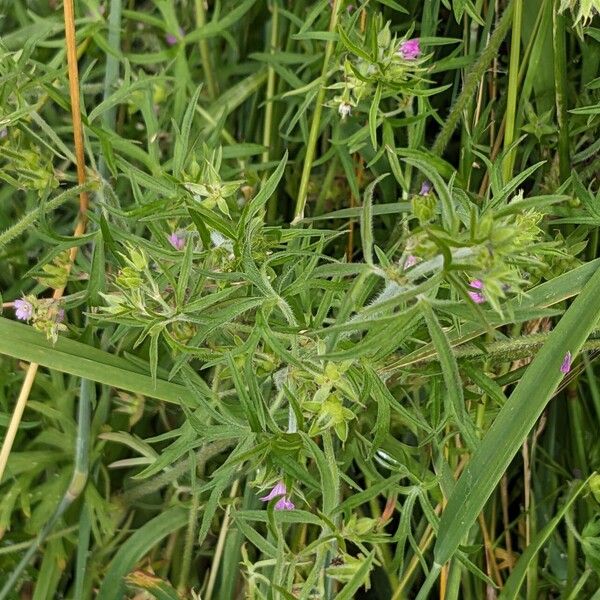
x=13, y=426
x=220, y=544
x=81, y=222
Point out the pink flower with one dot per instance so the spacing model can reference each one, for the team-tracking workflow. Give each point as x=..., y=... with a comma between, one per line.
x=425, y=188
x=477, y=297
x=278, y=490
x=176, y=240
x=410, y=261
x=566, y=363
x=410, y=49
x=23, y=309
x=285, y=504
x=172, y=39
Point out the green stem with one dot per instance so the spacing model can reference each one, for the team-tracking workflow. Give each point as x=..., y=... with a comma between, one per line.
x=202, y=457
x=188, y=548
x=316, y=121
x=327, y=183
x=577, y=422
x=211, y=84
x=513, y=88
x=25, y=545
x=571, y=555
x=268, y=123
x=560, y=81
x=473, y=79
x=83, y=543
x=453, y=587
x=76, y=486
x=32, y=216
x=506, y=350
x=424, y=592
x=111, y=73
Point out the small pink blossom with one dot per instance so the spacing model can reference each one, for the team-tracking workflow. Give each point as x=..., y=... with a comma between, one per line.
x=425, y=188
x=285, y=504
x=172, y=39
x=176, y=240
x=565, y=367
x=477, y=297
x=410, y=49
x=23, y=309
x=410, y=261
x=278, y=490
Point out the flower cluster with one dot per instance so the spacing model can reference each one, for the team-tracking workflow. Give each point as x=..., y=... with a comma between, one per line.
x=392, y=68
x=45, y=314
x=206, y=185
x=477, y=293
x=177, y=240
x=280, y=491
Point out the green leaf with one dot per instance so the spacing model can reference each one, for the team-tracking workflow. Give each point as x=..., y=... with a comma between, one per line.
x=373, y=110
x=359, y=579
x=515, y=420
x=591, y=204
x=352, y=47
x=136, y=547
x=266, y=191
x=327, y=470
x=23, y=342
x=511, y=587
x=182, y=140
x=453, y=384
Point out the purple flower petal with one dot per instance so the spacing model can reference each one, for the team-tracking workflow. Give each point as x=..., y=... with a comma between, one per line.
x=425, y=188
x=278, y=490
x=565, y=367
x=410, y=261
x=23, y=309
x=477, y=297
x=410, y=49
x=172, y=39
x=176, y=240
x=285, y=504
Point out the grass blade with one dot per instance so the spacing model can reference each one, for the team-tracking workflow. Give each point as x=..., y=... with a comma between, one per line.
x=515, y=420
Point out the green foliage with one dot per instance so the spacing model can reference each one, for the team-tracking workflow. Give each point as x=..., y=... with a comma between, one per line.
x=313, y=265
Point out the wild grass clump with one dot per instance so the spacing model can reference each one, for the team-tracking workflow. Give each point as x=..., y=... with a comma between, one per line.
x=300, y=299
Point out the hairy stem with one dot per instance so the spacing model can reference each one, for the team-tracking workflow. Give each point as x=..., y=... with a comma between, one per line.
x=473, y=79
